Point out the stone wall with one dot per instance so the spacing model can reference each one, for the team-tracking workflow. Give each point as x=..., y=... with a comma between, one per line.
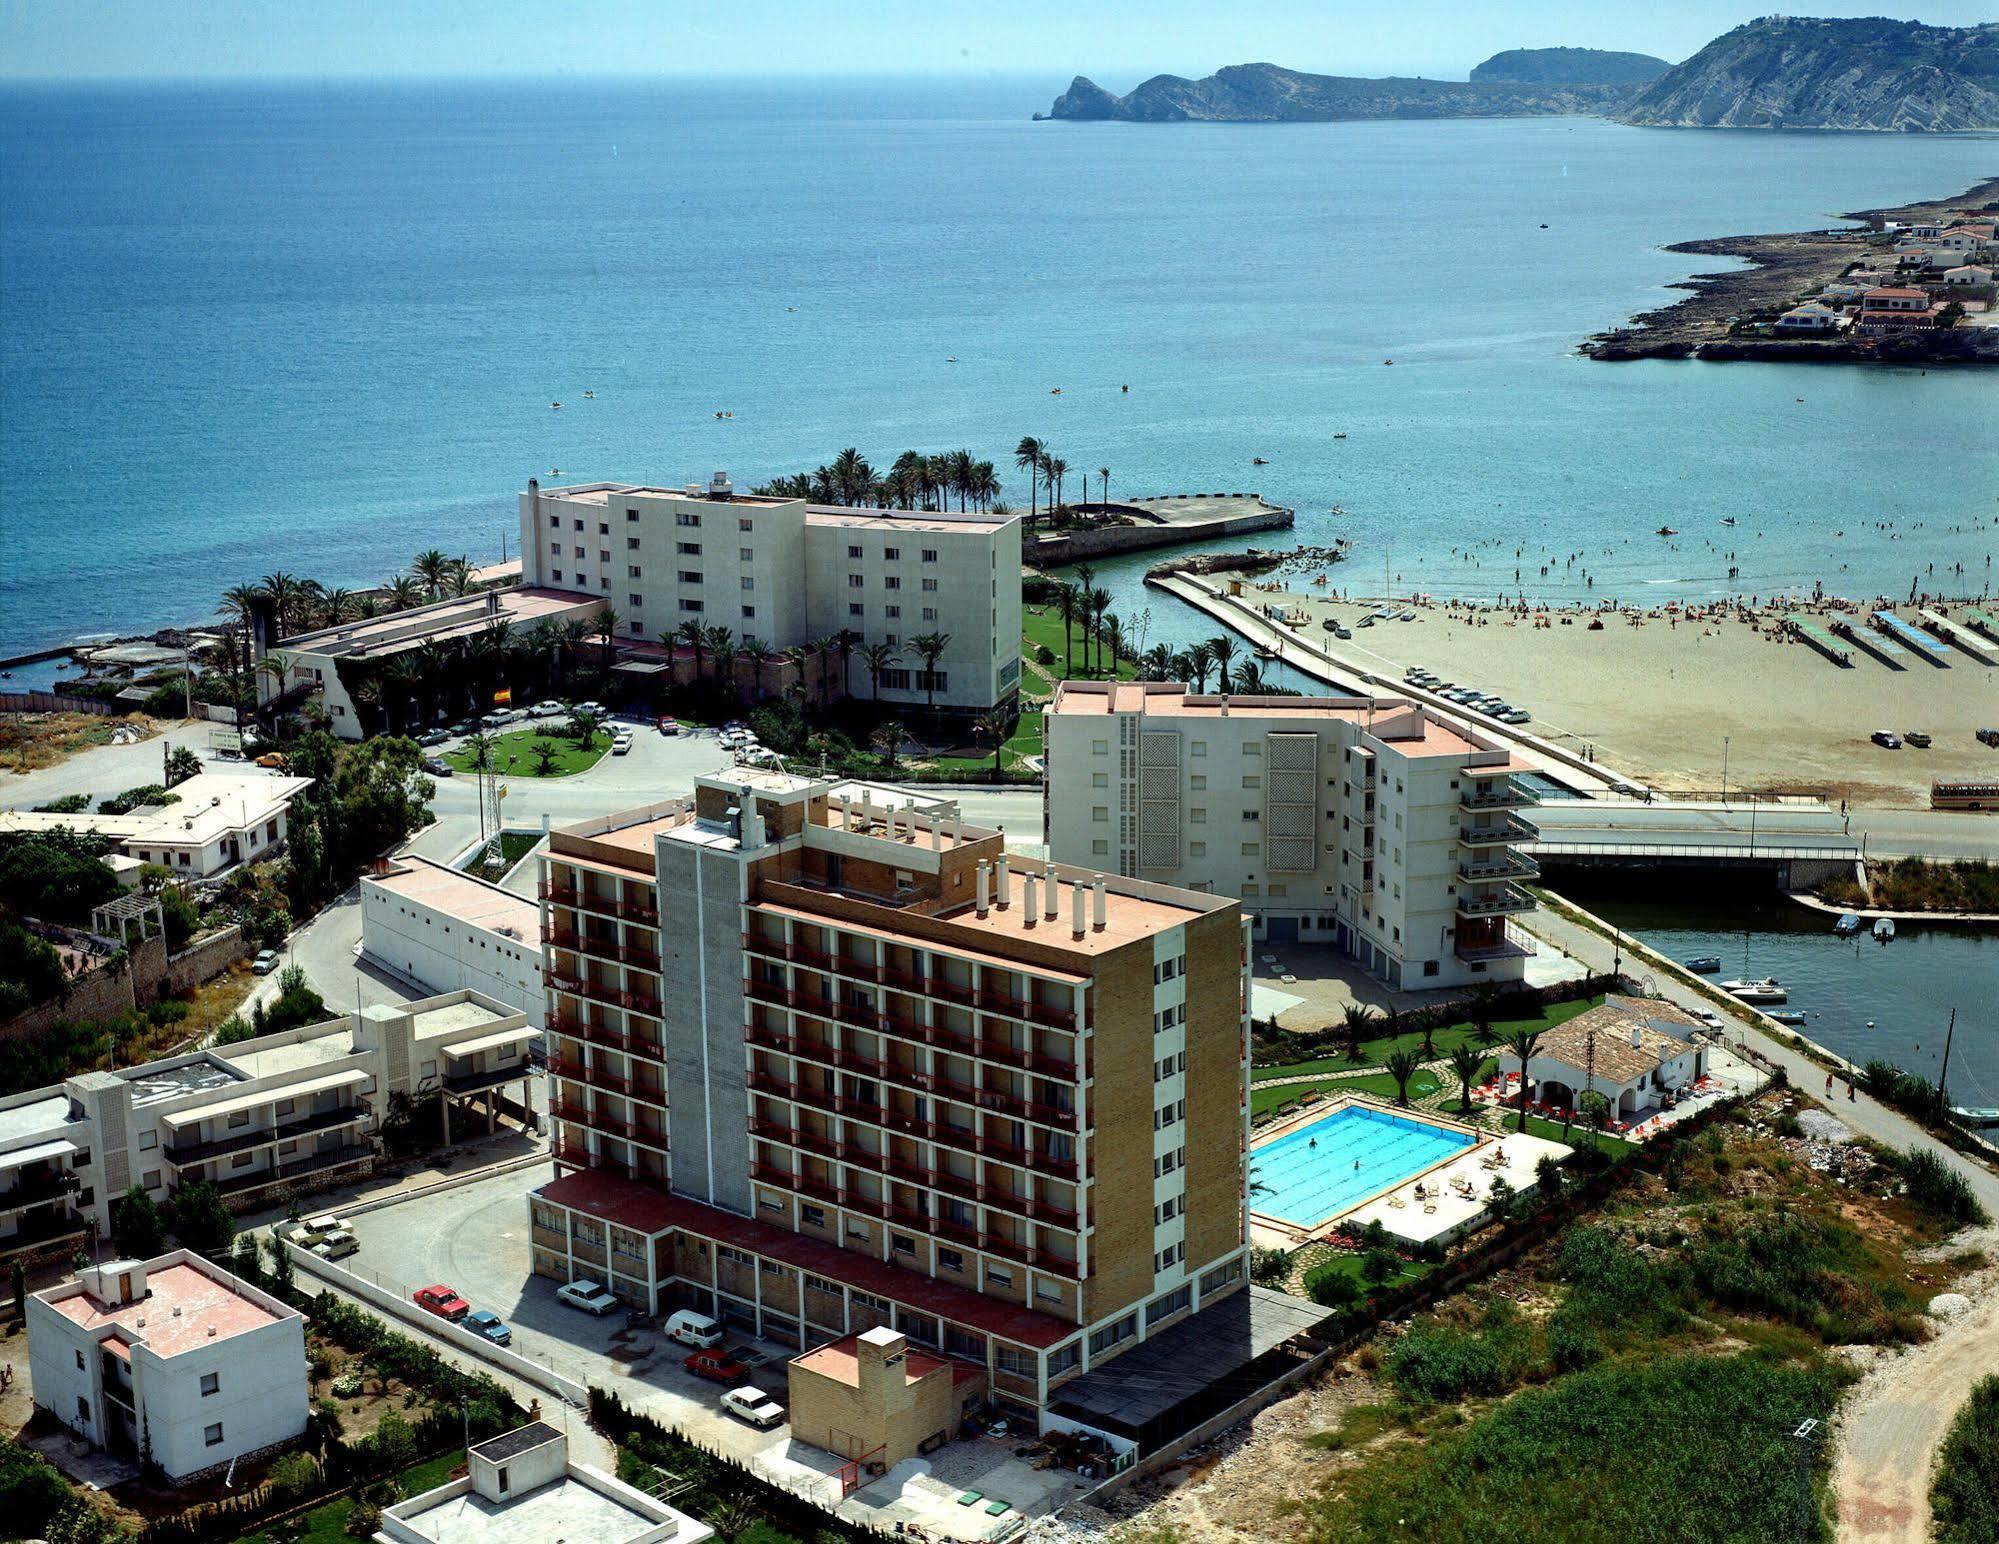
x=204, y=959
x=1054, y=550
x=146, y=975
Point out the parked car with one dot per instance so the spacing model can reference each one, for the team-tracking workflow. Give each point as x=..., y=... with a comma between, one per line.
x=596, y=708
x=488, y=1326
x=493, y=720
x=1887, y=739
x=337, y=1245
x=669, y=726
x=1917, y=738
x=718, y=1366
x=432, y=737
x=267, y=961
x=590, y=1296
x=755, y=1406
x=622, y=744
x=1988, y=737
x=548, y=708
x=313, y=1229
x=694, y=1329
x=437, y=766
x=272, y=760
x=442, y=1301
x=463, y=727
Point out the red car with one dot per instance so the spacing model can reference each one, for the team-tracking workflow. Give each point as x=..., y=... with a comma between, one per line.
x=718, y=1365
x=442, y=1301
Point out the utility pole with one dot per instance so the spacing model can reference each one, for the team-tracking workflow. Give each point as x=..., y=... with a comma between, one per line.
x=1806, y=1434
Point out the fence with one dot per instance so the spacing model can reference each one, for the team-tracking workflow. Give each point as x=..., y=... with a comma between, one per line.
x=50, y=702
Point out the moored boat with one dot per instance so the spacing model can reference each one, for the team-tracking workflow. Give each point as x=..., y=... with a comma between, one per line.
x=1704, y=964
x=1789, y=1016
x=1884, y=928
x=1848, y=924
x=1768, y=990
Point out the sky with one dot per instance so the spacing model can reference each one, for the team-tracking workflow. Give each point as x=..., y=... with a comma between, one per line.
x=1116, y=42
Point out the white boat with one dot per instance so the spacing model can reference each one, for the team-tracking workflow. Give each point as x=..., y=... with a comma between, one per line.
x=1975, y=1117
x=1768, y=990
x=1884, y=928
x=1789, y=1016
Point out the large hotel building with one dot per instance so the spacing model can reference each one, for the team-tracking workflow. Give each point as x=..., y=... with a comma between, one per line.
x=788, y=573
x=825, y=1060
x=1369, y=823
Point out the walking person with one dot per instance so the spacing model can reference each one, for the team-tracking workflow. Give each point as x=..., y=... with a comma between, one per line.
x=1828, y=1085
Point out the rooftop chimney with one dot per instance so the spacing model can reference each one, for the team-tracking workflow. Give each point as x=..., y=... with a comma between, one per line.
x=1028, y=899
x=1634, y=1035
x=1002, y=881
x=985, y=889
x=1102, y=904
x=936, y=834
x=1053, y=901
x=1077, y=926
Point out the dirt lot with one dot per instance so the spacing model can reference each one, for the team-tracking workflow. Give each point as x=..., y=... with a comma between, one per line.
x=32, y=740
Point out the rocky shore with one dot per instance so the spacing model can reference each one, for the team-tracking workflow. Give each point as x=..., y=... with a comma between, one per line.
x=1784, y=266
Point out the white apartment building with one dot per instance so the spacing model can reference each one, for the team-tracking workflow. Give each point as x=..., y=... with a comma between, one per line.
x=215, y=821
x=254, y=1117
x=173, y=1358
x=1368, y=823
x=447, y=931
x=788, y=572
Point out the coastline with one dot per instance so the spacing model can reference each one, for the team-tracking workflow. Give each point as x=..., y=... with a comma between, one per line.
x=1782, y=266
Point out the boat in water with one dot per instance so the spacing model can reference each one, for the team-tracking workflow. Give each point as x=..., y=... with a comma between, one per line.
x=1790, y=1016
x=1848, y=924
x=1977, y=1118
x=1768, y=990
x=1884, y=928
x=1704, y=964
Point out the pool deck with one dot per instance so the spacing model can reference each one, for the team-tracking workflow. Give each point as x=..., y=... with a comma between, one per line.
x=1444, y=1212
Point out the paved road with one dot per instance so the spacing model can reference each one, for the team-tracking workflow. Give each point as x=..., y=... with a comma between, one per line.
x=1693, y=828
x=104, y=769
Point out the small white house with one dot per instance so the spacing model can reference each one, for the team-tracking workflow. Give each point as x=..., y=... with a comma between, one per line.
x=1632, y=1050
x=1969, y=273
x=1809, y=317
x=447, y=931
x=171, y=1358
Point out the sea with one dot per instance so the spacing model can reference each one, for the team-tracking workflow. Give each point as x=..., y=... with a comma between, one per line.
x=318, y=327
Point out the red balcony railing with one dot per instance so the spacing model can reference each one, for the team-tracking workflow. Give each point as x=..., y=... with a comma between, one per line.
x=655, y=1097
x=874, y=1206
x=647, y=1135
x=769, y=1038
x=767, y=992
x=767, y=1174
x=565, y=1110
x=768, y=1083
x=906, y=1077
x=961, y=1185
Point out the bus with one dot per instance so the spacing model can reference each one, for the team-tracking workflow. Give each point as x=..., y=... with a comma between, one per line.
x=1964, y=796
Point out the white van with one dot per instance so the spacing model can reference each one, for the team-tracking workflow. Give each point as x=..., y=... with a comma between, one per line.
x=694, y=1329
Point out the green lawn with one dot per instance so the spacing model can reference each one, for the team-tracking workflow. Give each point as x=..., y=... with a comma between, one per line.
x=513, y=754
x=1265, y=1097
x=1042, y=625
x=328, y=1524
x=1375, y=1052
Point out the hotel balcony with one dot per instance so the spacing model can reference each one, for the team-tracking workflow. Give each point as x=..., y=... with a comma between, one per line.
x=1498, y=863
x=1494, y=940
x=1503, y=794
x=1509, y=828
x=183, y=1153
x=47, y=1222
x=305, y=1163
x=605, y=949
x=642, y=912
x=1500, y=901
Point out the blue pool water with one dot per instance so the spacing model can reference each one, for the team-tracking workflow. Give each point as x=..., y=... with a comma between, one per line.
x=1310, y=1173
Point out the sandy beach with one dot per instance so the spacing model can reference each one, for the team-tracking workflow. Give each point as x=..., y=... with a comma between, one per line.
x=1656, y=694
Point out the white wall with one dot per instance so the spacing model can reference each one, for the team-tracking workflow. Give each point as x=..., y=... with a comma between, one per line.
x=443, y=953
x=260, y=1400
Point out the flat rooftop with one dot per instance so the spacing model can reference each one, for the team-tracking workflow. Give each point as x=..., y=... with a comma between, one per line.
x=450, y=1018
x=472, y=901
x=35, y=1117
x=1127, y=918
x=929, y=520
x=565, y=1509
x=336, y=1044
x=840, y=1360
x=152, y=1083
x=181, y=1305
x=394, y=631
x=603, y=493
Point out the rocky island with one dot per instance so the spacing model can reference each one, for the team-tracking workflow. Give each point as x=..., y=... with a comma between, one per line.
x=1911, y=285
x=1780, y=72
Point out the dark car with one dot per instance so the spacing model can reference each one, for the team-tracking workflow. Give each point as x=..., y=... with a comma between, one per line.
x=717, y=1366
x=480, y=1322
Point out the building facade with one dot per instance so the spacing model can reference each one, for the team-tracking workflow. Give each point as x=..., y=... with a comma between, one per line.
x=172, y=1359
x=290, y=1109
x=213, y=821
x=789, y=573
x=446, y=931
x=1371, y=824
x=825, y=1059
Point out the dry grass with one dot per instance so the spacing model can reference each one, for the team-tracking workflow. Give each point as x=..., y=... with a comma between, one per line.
x=31, y=741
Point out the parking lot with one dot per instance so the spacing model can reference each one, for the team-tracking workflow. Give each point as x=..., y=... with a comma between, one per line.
x=475, y=1239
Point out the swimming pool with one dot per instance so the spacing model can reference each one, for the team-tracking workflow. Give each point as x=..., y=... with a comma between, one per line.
x=1347, y=1155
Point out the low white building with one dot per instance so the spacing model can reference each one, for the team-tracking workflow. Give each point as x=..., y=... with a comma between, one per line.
x=1810, y=317
x=1635, y=1051
x=1968, y=273
x=256, y=1118
x=216, y=820
x=521, y=1488
x=172, y=1359
x=447, y=931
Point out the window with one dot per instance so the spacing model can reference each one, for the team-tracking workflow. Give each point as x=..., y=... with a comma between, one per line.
x=891, y=583
x=1197, y=849
x=747, y=554
x=1014, y=1361
x=930, y=586
x=152, y=1179
x=79, y=1362
x=555, y=521
x=632, y=571
x=210, y=1382
x=749, y=613
x=856, y=609
x=853, y=552
x=636, y=600
x=503, y=1481
x=1197, y=782
x=631, y=514
x=579, y=525
x=1100, y=747
x=148, y=1140
x=579, y=551
x=929, y=554
x=896, y=680
x=933, y=680
x=1221, y=1276
x=631, y=544
x=1197, y=816
x=689, y=605
x=1100, y=779
x=743, y=523
x=1100, y=812
x=211, y=1436
x=690, y=576
x=82, y=1404
x=1111, y=1334
x=1252, y=780
x=893, y=554
x=689, y=548
x=995, y=1277
x=950, y=1260
x=686, y=517
x=554, y=573
x=1099, y=848
x=892, y=612
x=1200, y=748
x=1165, y=1307
x=929, y=613
x=903, y=1243
x=239, y=1118
x=855, y=581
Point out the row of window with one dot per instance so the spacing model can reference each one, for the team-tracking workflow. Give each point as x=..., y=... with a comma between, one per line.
x=1169, y=1018
x=1169, y=1114
x=1167, y=1066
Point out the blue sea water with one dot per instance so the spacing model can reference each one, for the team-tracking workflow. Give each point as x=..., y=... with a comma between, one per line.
x=319, y=327
x=1324, y=1167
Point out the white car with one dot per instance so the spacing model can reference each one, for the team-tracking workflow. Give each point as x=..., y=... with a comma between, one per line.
x=548, y=708
x=594, y=708
x=622, y=744
x=589, y=1296
x=337, y=1245
x=316, y=1230
x=755, y=1406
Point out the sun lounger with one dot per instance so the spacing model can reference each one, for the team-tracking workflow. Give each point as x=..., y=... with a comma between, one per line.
x=1397, y=1201
x=971, y=1498
x=995, y=1508
x=1429, y=1206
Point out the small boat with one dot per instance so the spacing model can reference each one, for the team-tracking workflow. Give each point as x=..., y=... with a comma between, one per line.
x=1258, y=461
x=1768, y=990
x=1329, y=624
x=1341, y=435
x=1054, y=391
x=1976, y=1117
x=950, y=359
x=1728, y=520
x=589, y=393
x=1848, y=924
x=1884, y=928
x=1665, y=530
x=1789, y=1016
x=555, y=404
x=1704, y=964
x=1264, y=651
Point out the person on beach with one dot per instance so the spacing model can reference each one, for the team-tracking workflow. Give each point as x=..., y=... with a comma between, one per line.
x=1828, y=1085
x=1849, y=1088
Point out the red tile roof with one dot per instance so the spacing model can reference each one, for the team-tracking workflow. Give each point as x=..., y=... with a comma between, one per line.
x=641, y=1208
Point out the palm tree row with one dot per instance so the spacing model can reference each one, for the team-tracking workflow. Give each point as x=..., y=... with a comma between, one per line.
x=1216, y=656
x=1046, y=472
x=914, y=481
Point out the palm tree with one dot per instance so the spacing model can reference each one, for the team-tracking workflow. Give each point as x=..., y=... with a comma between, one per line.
x=1027, y=456
x=846, y=641
x=403, y=592
x=1356, y=1020
x=1403, y=1066
x=431, y=569
x=1112, y=632
x=1104, y=472
x=878, y=657
x=722, y=644
x=282, y=591
x=605, y=626
x=992, y=729
x=985, y=484
x=1098, y=601
x=1249, y=680
x=930, y=648
x=1066, y=601
x=1524, y=1043
x=887, y=740
x=853, y=478
x=276, y=665
x=1157, y=663
x=695, y=636
x=961, y=465
x=399, y=685
x=1057, y=469
x=459, y=577
x=821, y=649
x=1484, y=1004
x=1465, y=1064
x=1200, y=660
x=759, y=654
x=432, y=663
x=337, y=606
x=1223, y=651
